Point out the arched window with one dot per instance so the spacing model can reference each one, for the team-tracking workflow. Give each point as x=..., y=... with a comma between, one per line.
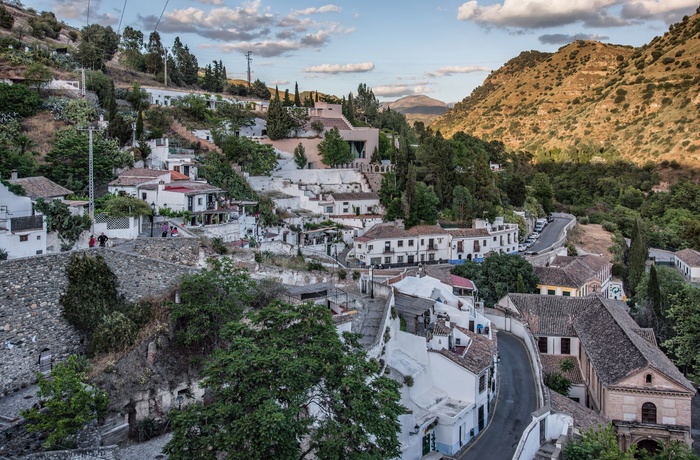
x=648, y=413
x=648, y=378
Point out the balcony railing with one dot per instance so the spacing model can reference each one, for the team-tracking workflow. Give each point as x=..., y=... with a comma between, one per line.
x=19, y=224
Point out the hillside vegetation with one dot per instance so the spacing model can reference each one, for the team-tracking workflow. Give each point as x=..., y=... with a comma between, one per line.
x=642, y=101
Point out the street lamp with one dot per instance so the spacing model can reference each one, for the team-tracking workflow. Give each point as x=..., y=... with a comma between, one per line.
x=153, y=213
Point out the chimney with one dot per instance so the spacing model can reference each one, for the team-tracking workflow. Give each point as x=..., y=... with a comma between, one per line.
x=161, y=186
x=14, y=175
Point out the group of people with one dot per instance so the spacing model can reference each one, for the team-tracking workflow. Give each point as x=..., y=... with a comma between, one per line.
x=102, y=240
x=172, y=231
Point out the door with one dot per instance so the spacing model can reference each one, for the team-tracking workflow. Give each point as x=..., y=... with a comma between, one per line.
x=481, y=418
x=426, y=444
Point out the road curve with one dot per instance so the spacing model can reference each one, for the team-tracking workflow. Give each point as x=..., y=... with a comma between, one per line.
x=515, y=401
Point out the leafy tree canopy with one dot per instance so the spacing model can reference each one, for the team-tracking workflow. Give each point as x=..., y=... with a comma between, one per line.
x=334, y=149
x=497, y=275
x=288, y=387
x=67, y=403
x=18, y=99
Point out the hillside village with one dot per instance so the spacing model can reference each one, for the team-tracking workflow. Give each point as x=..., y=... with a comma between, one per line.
x=321, y=269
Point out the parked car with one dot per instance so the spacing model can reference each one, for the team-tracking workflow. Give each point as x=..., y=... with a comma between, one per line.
x=522, y=247
x=550, y=218
x=534, y=235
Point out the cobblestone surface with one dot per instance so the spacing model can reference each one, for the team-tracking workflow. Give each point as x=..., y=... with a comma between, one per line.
x=149, y=450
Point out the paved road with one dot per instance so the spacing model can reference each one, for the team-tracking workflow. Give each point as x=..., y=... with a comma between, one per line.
x=515, y=402
x=551, y=233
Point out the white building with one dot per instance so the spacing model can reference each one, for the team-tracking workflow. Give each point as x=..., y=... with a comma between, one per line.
x=447, y=367
x=687, y=262
x=22, y=232
x=163, y=156
x=392, y=244
x=483, y=239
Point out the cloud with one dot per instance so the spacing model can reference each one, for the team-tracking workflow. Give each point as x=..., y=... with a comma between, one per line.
x=265, y=48
x=341, y=68
x=211, y=2
x=537, y=14
x=563, y=39
x=78, y=10
x=279, y=83
x=400, y=90
x=447, y=71
x=319, y=10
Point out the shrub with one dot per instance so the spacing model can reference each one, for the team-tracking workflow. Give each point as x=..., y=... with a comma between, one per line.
x=116, y=333
x=313, y=265
x=219, y=246
x=356, y=275
x=342, y=274
x=583, y=220
x=609, y=226
x=3, y=254
x=408, y=381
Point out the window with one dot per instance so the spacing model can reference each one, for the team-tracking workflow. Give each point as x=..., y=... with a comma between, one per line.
x=400, y=243
x=39, y=252
x=387, y=246
x=565, y=346
x=458, y=341
x=23, y=238
x=345, y=210
x=567, y=294
x=422, y=242
x=38, y=237
x=359, y=246
x=482, y=383
x=410, y=242
x=387, y=260
x=485, y=243
x=551, y=292
x=648, y=378
x=494, y=238
x=542, y=344
x=329, y=209
x=143, y=196
x=199, y=201
x=431, y=256
x=370, y=247
x=399, y=259
x=422, y=257
x=648, y=413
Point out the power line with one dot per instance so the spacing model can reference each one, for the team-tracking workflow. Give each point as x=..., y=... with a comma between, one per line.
x=121, y=17
x=161, y=15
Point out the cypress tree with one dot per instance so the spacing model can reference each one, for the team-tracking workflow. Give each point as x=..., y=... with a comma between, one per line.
x=654, y=291
x=277, y=124
x=637, y=258
x=297, y=99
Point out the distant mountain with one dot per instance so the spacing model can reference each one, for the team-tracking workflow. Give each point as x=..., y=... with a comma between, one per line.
x=643, y=101
x=418, y=108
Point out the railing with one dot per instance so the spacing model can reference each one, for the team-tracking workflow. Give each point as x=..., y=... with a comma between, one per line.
x=18, y=224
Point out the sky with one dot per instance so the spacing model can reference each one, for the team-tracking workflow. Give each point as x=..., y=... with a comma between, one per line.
x=438, y=48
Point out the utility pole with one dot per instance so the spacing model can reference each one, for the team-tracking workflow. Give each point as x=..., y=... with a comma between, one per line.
x=91, y=181
x=249, y=58
x=82, y=83
x=165, y=59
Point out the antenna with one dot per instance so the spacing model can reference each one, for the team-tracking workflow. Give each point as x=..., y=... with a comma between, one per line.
x=249, y=59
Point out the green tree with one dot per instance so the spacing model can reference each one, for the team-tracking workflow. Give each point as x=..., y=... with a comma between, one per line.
x=334, y=149
x=59, y=219
x=234, y=116
x=684, y=312
x=122, y=206
x=260, y=90
x=317, y=126
x=598, y=444
x=67, y=162
x=6, y=18
x=98, y=45
x=91, y=293
x=637, y=257
x=557, y=382
x=462, y=204
x=38, y=75
x=218, y=171
x=498, y=275
x=543, y=191
x=300, y=156
x=297, y=99
x=67, y=403
x=366, y=105
x=254, y=158
x=208, y=300
x=424, y=208
x=277, y=119
x=277, y=363
x=131, y=47
x=18, y=99
x=153, y=59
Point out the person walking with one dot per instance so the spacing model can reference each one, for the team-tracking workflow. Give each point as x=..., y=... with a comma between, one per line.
x=165, y=230
x=91, y=241
x=102, y=239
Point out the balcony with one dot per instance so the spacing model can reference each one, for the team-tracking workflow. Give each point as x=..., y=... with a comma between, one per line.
x=388, y=251
x=22, y=224
x=432, y=247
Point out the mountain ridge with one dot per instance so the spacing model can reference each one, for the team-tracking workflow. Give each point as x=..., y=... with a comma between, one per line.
x=642, y=101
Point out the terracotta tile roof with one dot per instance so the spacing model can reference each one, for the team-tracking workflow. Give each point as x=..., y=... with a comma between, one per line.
x=41, y=187
x=396, y=230
x=354, y=196
x=552, y=364
x=458, y=281
x=441, y=328
x=329, y=123
x=571, y=272
x=547, y=314
x=136, y=176
x=584, y=418
x=174, y=175
x=615, y=344
x=186, y=187
x=479, y=355
x=468, y=232
x=689, y=257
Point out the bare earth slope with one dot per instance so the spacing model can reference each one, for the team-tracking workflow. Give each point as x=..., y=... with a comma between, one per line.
x=644, y=101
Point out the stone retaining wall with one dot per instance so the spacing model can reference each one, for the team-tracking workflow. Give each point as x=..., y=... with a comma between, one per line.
x=179, y=250
x=30, y=315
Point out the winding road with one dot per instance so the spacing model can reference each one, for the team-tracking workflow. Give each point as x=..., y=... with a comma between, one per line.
x=515, y=401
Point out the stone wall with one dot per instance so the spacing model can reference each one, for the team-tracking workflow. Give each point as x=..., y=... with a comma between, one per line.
x=179, y=250
x=30, y=314
x=105, y=453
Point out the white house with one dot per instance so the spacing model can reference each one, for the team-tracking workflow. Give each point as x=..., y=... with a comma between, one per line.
x=131, y=180
x=22, y=232
x=392, y=244
x=356, y=203
x=483, y=239
x=163, y=156
x=687, y=261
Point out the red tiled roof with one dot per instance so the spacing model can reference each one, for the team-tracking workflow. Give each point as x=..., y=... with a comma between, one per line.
x=174, y=175
x=458, y=281
x=689, y=257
